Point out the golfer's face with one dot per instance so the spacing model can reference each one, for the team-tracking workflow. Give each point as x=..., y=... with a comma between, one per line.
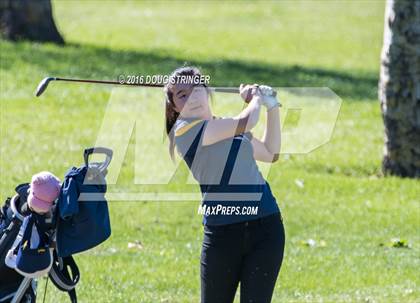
x=190, y=101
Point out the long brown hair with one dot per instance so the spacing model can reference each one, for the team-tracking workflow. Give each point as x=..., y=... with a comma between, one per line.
x=171, y=115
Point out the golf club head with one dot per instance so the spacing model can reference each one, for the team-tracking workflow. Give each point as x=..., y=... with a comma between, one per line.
x=43, y=85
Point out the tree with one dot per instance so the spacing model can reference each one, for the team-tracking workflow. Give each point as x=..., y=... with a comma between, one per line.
x=28, y=19
x=399, y=88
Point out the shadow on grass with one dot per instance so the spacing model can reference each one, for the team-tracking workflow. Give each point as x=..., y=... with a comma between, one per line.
x=87, y=61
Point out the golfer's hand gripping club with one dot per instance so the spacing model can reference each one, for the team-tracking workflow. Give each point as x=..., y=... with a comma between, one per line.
x=247, y=92
x=268, y=95
x=269, y=98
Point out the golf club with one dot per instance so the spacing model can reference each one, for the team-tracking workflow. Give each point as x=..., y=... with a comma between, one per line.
x=44, y=84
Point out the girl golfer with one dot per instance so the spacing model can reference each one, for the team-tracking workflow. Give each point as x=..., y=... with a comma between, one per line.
x=243, y=230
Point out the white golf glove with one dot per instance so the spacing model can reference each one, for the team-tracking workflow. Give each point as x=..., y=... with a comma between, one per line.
x=268, y=100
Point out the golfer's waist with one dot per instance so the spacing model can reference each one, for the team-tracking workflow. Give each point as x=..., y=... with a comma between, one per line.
x=266, y=220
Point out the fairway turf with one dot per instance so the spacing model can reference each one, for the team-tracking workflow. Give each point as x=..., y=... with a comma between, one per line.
x=345, y=203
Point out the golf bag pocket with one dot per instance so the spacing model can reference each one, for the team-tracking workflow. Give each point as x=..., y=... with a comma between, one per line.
x=82, y=222
x=34, y=256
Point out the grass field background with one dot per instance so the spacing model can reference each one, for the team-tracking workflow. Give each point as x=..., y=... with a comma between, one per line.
x=344, y=202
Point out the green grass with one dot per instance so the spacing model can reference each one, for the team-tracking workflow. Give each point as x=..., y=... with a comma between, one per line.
x=345, y=200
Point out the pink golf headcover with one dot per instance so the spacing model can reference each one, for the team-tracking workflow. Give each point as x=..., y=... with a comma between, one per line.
x=44, y=189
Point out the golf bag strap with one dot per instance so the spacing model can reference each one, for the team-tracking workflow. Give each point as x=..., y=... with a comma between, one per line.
x=61, y=277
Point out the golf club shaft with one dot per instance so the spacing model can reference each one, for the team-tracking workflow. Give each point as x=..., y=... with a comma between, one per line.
x=217, y=89
x=106, y=82
x=44, y=83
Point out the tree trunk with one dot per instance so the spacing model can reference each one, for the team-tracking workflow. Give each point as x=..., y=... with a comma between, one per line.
x=399, y=88
x=29, y=20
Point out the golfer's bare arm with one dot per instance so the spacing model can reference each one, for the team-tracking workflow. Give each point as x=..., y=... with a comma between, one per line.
x=220, y=129
x=268, y=148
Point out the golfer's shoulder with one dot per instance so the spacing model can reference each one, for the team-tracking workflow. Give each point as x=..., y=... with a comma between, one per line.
x=186, y=126
x=186, y=131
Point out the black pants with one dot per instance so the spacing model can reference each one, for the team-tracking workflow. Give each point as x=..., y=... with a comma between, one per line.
x=250, y=253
